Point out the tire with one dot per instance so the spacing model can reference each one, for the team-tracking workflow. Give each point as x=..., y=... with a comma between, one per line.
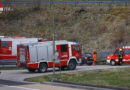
x=72, y=65
x=42, y=68
x=31, y=70
x=113, y=63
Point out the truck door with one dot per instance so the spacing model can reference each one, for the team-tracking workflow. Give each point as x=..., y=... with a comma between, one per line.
x=64, y=51
x=116, y=55
x=126, y=56
x=22, y=54
x=6, y=47
x=76, y=51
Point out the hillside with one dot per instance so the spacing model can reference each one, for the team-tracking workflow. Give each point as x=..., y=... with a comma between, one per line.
x=95, y=27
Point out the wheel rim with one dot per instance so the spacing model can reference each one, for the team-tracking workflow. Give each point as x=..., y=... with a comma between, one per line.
x=113, y=62
x=71, y=65
x=43, y=68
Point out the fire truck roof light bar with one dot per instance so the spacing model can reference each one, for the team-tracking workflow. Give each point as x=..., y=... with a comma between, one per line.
x=126, y=46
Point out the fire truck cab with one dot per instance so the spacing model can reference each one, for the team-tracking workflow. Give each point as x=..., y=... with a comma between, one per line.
x=39, y=56
x=8, y=46
x=113, y=59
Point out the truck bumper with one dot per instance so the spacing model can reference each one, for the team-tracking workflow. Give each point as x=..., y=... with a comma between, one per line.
x=108, y=61
x=33, y=65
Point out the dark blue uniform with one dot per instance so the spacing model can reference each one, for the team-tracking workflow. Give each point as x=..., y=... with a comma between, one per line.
x=120, y=56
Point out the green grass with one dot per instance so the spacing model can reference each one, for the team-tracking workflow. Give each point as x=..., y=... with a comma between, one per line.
x=113, y=77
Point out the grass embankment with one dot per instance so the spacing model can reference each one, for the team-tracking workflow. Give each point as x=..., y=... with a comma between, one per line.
x=103, y=27
x=113, y=77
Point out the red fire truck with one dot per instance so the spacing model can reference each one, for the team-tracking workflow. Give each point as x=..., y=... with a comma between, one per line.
x=1, y=8
x=8, y=46
x=113, y=59
x=39, y=56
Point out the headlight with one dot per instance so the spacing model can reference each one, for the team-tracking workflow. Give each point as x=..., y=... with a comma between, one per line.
x=108, y=57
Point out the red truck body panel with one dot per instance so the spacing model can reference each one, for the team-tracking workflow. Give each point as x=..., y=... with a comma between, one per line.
x=115, y=56
x=8, y=46
x=43, y=51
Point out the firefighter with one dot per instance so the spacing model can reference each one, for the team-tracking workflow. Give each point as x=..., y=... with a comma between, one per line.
x=94, y=56
x=120, y=56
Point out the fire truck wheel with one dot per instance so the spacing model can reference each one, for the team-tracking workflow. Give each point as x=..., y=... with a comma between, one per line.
x=31, y=70
x=42, y=68
x=113, y=63
x=71, y=65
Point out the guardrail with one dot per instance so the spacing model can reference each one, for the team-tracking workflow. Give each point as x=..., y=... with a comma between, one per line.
x=103, y=54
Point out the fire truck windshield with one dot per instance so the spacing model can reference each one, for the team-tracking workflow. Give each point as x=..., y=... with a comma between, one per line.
x=76, y=48
x=5, y=44
x=116, y=52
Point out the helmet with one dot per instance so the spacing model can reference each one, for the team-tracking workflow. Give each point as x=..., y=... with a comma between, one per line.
x=120, y=49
